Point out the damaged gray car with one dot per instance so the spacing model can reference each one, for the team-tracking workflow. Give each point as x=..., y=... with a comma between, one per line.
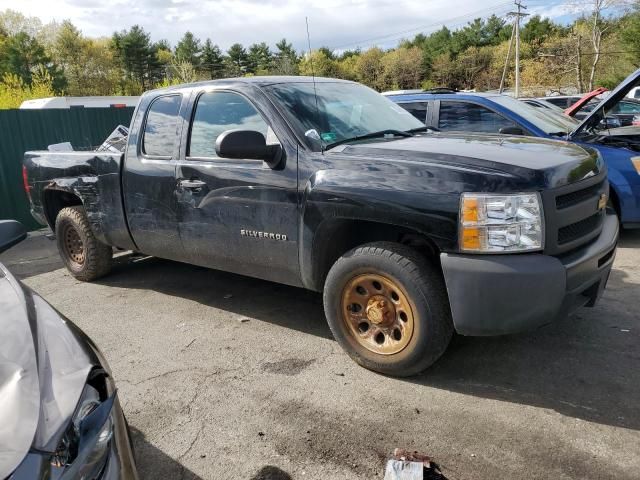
x=60, y=417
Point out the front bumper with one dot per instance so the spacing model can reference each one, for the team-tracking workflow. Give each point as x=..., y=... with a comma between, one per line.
x=502, y=294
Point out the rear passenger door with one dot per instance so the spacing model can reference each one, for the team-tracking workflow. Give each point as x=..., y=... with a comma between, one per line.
x=238, y=215
x=149, y=176
x=462, y=116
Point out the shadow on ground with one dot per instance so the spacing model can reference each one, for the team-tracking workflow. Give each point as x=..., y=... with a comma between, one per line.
x=585, y=367
x=153, y=463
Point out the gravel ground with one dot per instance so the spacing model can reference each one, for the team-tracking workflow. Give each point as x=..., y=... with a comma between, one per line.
x=222, y=377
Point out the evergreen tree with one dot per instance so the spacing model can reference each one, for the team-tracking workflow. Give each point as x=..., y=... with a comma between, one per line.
x=237, y=60
x=22, y=55
x=259, y=58
x=138, y=59
x=189, y=49
x=212, y=60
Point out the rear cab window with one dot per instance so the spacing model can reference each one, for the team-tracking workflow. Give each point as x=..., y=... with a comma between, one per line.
x=159, y=134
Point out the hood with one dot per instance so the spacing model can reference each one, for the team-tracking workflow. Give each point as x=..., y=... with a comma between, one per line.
x=576, y=107
x=44, y=363
x=614, y=97
x=554, y=162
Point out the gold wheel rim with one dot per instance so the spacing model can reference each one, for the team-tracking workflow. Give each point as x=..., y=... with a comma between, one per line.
x=377, y=313
x=73, y=246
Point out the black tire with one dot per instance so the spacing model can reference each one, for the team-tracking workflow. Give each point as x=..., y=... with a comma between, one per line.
x=84, y=256
x=422, y=285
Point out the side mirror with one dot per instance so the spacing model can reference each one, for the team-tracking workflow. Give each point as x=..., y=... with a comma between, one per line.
x=247, y=144
x=511, y=131
x=11, y=233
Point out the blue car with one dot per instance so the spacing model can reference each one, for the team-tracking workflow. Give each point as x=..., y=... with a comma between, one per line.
x=447, y=110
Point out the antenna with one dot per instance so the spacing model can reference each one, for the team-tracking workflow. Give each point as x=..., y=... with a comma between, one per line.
x=313, y=79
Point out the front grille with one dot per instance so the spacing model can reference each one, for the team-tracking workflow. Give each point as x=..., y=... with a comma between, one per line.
x=572, y=216
x=579, y=229
x=574, y=198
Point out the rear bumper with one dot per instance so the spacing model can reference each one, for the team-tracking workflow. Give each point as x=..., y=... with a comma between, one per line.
x=501, y=294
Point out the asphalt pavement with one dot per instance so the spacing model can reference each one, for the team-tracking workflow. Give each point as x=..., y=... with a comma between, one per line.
x=227, y=377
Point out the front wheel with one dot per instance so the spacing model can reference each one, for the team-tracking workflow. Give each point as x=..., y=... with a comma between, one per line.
x=387, y=307
x=83, y=254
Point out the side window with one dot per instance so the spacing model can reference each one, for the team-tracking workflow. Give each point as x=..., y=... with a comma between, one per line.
x=217, y=112
x=160, y=128
x=469, y=117
x=558, y=102
x=417, y=109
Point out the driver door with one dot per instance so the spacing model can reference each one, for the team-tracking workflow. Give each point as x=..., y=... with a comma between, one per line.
x=239, y=215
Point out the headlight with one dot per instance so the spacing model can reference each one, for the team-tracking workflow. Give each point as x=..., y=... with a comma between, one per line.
x=500, y=223
x=84, y=448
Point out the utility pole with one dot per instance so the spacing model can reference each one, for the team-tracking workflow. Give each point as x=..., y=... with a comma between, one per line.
x=518, y=15
x=506, y=62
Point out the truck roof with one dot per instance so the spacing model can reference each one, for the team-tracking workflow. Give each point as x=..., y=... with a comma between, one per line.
x=258, y=80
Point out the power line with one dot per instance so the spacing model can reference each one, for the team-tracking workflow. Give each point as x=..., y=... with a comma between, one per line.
x=391, y=36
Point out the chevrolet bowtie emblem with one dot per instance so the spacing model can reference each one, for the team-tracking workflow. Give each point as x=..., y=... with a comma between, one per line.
x=602, y=201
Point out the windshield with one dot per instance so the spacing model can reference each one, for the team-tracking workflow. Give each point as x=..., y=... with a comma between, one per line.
x=344, y=110
x=546, y=120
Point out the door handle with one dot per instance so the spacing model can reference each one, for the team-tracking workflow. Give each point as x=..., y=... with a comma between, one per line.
x=193, y=184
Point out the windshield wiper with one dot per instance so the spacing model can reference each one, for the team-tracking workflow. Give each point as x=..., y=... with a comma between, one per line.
x=381, y=133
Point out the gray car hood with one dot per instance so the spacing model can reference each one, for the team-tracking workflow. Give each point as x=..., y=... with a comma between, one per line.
x=44, y=364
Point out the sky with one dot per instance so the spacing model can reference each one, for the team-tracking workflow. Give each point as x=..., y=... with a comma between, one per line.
x=338, y=24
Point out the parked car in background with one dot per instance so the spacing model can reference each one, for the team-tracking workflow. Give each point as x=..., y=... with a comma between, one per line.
x=624, y=111
x=562, y=101
x=537, y=102
x=634, y=93
x=551, y=109
x=494, y=113
x=60, y=418
x=327, y=185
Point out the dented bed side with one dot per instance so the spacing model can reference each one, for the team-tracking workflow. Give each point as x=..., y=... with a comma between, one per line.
x=57, y=179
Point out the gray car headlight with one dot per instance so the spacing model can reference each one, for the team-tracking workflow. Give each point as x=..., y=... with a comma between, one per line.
x=501, y=223
x=84, y=448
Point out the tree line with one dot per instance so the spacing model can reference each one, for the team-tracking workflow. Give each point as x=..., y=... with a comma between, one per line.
x=39, y=60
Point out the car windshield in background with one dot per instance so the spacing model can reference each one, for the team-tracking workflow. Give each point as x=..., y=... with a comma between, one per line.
x=343, y=111
x=549, y=122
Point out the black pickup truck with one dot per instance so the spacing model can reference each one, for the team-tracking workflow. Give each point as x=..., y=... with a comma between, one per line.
x=327, y=185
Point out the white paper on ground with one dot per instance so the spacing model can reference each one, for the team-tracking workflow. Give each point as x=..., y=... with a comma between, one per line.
x=401, y=470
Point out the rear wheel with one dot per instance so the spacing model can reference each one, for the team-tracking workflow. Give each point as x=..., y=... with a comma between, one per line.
x=387, y=307
x=85, y=257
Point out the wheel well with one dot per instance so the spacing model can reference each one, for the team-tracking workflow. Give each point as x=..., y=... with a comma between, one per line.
x=335, y=239
x=56, y=200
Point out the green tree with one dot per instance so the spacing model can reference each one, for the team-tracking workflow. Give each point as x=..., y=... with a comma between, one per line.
x=137, y=59
x=14, y=91
x=286, y=59
x=369, y=68
x=319, y=64
x=259, y=59
x=189, y=49
x=212, y=60
x=630, y=35
x=237, y=60
x=22, y=55
x=402, y=68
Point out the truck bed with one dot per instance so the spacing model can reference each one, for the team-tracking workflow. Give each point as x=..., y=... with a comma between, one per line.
x=94, y=177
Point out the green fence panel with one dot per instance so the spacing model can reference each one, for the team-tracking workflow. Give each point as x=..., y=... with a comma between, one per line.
x=22, y=130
